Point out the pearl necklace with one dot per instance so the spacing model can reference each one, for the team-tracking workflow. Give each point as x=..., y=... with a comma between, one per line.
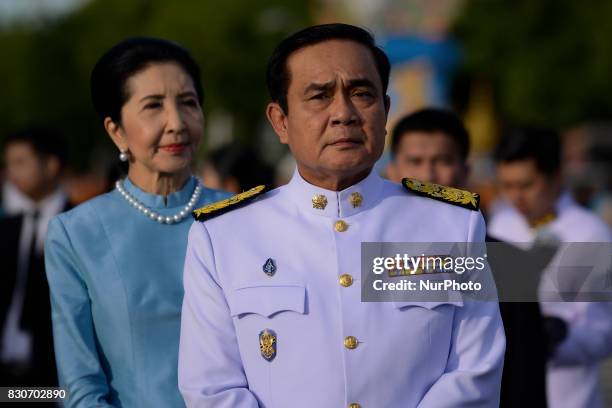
x=173, y=219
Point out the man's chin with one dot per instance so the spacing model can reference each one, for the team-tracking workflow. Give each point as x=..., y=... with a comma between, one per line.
x=349, y=169
x=349, y=157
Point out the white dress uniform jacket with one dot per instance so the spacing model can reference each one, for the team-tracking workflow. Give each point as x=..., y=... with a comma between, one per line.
x=331, y=349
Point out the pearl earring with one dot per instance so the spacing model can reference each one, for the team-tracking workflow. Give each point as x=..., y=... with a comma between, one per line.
x=124, y=156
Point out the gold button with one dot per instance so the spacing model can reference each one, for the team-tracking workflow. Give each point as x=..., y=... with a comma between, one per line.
x=354, y=405
x=346, y=280
x=340, y=226
x=350, y=342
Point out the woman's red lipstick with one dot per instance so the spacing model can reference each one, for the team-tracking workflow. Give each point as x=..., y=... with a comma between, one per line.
x=174, y=147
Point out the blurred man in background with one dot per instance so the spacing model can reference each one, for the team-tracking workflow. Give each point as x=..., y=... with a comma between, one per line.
x=433, y=145
x=34, y=159
x=235, y=168
x=579, y=334
x=430, y=145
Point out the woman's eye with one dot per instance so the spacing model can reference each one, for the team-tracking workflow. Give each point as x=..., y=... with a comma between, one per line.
x=190, y=102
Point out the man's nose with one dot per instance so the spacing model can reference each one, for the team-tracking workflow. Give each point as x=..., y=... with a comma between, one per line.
x=343, y=111
x=432, y=173
x=516, y=196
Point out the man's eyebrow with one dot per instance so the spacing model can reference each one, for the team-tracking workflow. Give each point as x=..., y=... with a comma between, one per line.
x=320, y=86
x=353, y=83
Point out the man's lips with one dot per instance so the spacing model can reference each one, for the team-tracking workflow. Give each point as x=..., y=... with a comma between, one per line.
x=174, y=147
x=346, y=141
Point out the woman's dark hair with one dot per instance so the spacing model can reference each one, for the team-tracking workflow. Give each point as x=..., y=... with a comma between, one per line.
x=108, y=81
x=430, y=120
x=278, y=76
x=524, y=142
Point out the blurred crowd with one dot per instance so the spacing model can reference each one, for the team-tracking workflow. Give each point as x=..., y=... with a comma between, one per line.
x=585, y=170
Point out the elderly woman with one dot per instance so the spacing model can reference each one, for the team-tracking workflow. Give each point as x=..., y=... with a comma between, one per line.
x=114, y=263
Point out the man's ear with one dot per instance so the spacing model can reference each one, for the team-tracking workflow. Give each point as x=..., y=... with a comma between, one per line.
x=278, y=119
x=232, y=185
x=52, y=166
x=116, y=134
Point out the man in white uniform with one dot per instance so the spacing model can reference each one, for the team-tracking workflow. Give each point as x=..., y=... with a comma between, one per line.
x=272, y=315
x=433, y=145
x=580, y=333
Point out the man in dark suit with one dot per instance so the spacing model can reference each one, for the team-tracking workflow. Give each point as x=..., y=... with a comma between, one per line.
x=34, y=159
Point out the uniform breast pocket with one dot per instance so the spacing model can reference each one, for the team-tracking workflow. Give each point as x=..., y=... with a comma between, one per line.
x=267, y=301
x=436, y=318
x=267, y=319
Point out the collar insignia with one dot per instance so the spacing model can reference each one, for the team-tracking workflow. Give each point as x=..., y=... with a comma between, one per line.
x=356, y=199
x=542, y=221
x=319, y=201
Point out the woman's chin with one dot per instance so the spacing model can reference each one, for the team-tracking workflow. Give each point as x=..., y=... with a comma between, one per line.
x=174, y=166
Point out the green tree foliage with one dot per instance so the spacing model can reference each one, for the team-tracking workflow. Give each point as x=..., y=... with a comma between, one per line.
x=550, y=60
x=45, y=70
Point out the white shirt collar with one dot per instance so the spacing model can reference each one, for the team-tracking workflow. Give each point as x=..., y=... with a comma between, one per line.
x=564, y=201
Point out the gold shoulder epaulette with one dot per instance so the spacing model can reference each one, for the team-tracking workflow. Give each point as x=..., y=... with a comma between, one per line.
x=220, y=207
x=462, y=198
